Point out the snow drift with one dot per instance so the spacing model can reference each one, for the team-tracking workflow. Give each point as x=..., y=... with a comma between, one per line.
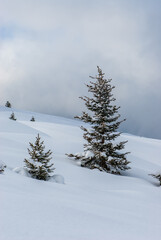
x=91, y=205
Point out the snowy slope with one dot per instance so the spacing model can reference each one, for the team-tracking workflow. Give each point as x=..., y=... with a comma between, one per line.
x=91, y=205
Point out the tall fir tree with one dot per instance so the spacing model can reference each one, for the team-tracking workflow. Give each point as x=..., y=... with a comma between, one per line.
x=102, y=151
x=38, y=165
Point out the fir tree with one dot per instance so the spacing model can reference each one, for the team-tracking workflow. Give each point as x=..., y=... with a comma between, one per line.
x=38, y=165
x=32, y=119
x=8, y=104
x=157, y=176
x=12, y=117
x=101, y=150
x=2, y=167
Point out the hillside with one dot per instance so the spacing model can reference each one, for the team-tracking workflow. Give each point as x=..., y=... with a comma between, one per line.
x=91, y=205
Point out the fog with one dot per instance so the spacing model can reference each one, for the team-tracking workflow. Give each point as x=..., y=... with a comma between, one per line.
x=48, y=49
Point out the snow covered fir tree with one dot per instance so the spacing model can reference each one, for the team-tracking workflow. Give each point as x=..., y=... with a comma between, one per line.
x=8, y=104
x=12, y=117
x=102, y=151
x=32, y=119
x=157, y=176
x=2, y=167
x=38, y=166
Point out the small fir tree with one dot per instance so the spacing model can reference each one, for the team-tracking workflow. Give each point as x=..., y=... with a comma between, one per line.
x=32, y=119
x=12, y=117
x=2, y=167
x=8, y=104
x=101, y=150
x=38, y=166
x=157, y=176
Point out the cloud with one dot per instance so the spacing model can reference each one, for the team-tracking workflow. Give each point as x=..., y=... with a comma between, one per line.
x=49, y=48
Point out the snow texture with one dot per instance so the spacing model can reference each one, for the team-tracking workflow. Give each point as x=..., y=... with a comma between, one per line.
x=91, y=205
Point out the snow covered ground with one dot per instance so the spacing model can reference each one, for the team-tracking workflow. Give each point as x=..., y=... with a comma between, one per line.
x=91, y=205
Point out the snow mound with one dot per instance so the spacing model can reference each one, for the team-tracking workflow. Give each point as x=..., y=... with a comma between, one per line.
x=23, y=172
x=57, y=178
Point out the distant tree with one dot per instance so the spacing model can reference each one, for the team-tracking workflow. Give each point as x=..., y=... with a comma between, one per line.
x=2, y=167
x=101, y=151
x=157, y=176
x=32, y=119
x=38, y=165
x=12, y=117
x=8, y=104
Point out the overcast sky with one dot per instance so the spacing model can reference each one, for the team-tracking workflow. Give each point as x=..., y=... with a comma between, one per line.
x=49, y=48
